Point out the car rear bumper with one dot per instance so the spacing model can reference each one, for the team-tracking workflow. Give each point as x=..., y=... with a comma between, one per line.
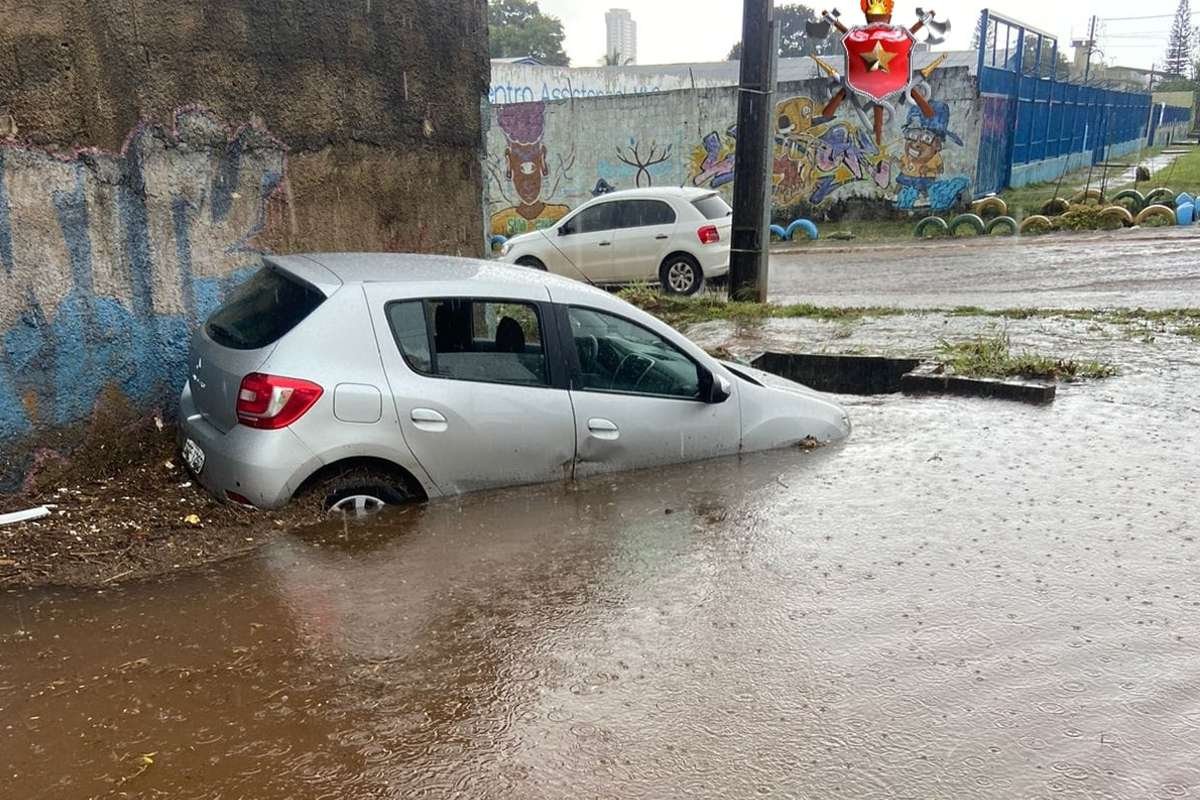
x=265, y=467
x=715, y=262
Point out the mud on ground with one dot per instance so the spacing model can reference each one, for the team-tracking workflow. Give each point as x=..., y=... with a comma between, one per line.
x=125, y=508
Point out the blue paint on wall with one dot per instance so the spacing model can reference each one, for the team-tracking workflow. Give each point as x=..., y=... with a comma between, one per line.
x=6, y=248
x=55, y=361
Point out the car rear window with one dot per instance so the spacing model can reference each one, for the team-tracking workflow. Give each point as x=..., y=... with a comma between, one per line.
x=262, y=310
x=713, y=206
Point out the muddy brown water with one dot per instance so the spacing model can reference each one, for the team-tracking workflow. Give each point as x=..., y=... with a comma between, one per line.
x=969, y=599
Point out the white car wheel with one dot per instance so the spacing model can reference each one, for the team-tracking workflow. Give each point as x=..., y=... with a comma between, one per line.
x=681, y=275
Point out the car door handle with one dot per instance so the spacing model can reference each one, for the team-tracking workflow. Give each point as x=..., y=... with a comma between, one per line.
x=606, y=244
x=604, y=429
x=662, y=236
x=428, y=420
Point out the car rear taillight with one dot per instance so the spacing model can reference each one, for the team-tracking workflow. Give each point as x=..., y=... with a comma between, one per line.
x=709, y=234
x=271, y=402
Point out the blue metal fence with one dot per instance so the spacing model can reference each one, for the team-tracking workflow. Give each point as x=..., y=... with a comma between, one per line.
x=1037, y=122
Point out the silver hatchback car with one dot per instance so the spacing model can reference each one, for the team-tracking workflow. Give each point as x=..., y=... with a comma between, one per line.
x=369, y=379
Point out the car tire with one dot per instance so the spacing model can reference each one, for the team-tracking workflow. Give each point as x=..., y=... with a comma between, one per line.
x=531, y=263
x=359, y=493
x=681, y=274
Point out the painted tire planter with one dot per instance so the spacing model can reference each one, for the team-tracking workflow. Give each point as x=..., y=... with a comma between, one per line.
x=973, y=220
x=1003, y=226
x=938, y=224
x=1086, y=195
x=990, y=204
x=498, y=241
x=1054, y=207
x=1038, y=223
x=1138, y=199
x=1118, y=214
x=1156, y=212
x=1185, y=213
x=1160, y=196
x=1184, y=198
x=779, y=233
x=808, y=226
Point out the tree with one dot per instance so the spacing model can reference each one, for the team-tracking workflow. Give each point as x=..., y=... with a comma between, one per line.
x=518, y=28
x=1179, y=47
x=793, y=41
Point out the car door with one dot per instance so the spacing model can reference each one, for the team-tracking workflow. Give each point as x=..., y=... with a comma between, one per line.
x=637, y=397
x=645, y=230
x=478, y=394
x=586, y=240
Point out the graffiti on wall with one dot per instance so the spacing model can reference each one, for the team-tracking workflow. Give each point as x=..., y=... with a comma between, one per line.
x=816, y=157
x=922, y=167
x=522, y=173
x=108, y=259
x=639, y=162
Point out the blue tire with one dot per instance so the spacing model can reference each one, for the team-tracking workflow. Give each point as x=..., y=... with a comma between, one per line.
x=498, y=241
x=1183, y=199
x=1185, y=213
x=778, y=232
x=809, y=228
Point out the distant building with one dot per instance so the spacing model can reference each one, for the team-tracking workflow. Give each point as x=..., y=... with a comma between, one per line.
x=622, y=37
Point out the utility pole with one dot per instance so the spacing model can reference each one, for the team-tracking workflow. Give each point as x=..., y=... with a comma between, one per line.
x=1091, y=46
x=754, y=158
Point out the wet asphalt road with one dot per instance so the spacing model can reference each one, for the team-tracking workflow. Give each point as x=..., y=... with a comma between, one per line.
x=969, y=599
x=1154, y=268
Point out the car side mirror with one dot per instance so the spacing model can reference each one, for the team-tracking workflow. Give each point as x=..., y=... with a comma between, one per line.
x=715, y=389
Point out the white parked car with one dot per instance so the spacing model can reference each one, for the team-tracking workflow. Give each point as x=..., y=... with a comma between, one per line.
x=677, y=237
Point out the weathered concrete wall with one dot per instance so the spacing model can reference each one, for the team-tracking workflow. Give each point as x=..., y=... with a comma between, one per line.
x=547, y=157
x=150, y=149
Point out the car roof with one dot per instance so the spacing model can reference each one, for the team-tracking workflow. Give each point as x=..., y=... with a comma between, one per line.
x=443, y=274
x=683, y=192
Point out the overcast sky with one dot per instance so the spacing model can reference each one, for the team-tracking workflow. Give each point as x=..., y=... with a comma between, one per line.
x=672, y=31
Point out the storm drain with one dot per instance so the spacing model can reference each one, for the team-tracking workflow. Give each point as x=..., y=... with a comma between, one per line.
x=875, y=375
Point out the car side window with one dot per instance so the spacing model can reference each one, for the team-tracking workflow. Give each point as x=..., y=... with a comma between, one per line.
x=644, y=213
x=488, y=341
x=616, y=355
x=600, y=217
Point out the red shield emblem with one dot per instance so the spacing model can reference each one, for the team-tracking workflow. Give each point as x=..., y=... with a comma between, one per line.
x=879, y=60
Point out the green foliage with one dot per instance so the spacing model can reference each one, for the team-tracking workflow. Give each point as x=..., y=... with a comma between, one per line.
x=992, y=357
x=1180, y=45
x=518, y=28
x=793, y=42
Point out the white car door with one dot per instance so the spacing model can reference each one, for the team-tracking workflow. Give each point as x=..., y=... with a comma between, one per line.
x=639, y=400
x=479, y=400
x=586, y=239
x=647, y=231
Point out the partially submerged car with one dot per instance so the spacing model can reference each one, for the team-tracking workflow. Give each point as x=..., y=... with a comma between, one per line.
x=370, y=379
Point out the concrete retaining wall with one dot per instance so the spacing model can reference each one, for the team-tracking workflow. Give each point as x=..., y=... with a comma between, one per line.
x=151, y=149
x=545, y=158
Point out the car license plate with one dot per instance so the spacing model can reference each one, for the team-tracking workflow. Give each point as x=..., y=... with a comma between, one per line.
x=194, y=456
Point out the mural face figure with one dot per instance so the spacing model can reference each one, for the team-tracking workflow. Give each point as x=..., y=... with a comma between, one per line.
x=921, y=146
x=922, y=165
x=526, y=169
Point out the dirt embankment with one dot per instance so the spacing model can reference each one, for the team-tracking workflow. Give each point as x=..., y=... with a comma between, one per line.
x=125, y=508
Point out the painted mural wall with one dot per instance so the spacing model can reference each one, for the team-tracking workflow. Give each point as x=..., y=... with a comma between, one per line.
x=545, y=158
x=152, y=150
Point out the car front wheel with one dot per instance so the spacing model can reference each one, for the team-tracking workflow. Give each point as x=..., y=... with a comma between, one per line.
x=681, y=274
x=531, y=263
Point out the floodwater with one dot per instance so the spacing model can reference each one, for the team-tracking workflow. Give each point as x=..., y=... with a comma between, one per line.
x=970, y=599
x=1151, y=268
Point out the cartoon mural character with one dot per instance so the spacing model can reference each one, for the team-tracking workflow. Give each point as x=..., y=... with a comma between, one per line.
x=526, y=168
x=922, y=166
x=712, y=163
